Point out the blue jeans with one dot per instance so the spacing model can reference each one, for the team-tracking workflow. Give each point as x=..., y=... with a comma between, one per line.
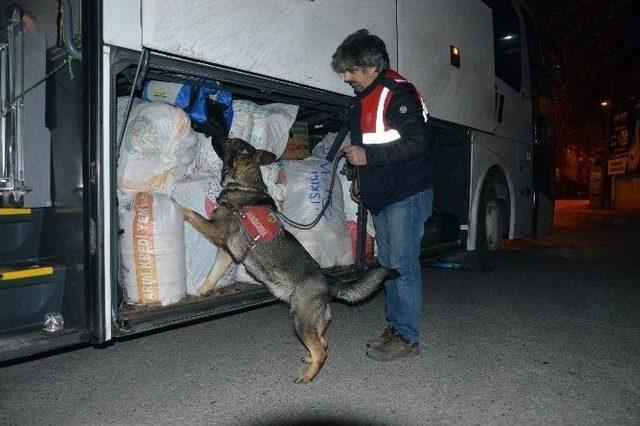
x=399, y=230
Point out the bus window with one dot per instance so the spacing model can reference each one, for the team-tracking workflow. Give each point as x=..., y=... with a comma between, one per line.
x=506, y=42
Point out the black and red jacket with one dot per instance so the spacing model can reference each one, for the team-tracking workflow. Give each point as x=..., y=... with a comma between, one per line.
x=390, y=121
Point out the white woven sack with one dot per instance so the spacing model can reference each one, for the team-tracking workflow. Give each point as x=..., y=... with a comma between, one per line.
x=263, y=126
x=307, y=187
x=152, y=252
x=157, y=148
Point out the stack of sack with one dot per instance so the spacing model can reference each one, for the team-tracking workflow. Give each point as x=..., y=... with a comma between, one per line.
x=157, y=148
x=163, y=258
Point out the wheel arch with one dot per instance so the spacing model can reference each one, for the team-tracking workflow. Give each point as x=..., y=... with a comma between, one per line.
x=492, y=174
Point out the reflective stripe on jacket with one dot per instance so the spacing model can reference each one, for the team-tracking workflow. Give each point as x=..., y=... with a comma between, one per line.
x=374, y=106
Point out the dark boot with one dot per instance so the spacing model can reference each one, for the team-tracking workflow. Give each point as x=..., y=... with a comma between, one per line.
x=387, y=334
x=393, y=348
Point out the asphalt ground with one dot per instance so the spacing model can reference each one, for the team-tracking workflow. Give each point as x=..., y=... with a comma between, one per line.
x=552, y=336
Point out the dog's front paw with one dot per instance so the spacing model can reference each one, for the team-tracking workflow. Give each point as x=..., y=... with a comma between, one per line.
x=205, y=289
x=306, y=359
x=204, y=292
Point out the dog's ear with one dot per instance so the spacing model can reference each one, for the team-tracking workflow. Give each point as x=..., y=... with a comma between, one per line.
x=263, y=157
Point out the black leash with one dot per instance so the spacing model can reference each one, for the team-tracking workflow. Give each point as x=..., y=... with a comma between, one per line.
x=310, y=225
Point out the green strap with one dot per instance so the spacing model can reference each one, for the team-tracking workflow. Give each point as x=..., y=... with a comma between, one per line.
x=67, y=62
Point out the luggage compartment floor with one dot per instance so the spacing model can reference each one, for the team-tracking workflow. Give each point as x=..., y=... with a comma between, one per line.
x=29, y=342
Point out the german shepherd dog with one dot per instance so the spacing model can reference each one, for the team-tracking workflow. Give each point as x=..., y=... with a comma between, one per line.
x=281, y=263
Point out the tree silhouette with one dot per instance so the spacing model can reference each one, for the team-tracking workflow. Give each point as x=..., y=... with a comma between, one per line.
x=600, y=45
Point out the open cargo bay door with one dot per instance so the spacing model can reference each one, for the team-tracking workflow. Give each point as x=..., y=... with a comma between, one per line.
x=215, y=31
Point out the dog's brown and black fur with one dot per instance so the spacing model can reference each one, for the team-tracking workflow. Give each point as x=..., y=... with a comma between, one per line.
x=282, y=263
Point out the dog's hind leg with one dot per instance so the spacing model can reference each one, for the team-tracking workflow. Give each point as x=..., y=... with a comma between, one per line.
x=308, y=359
x=313, y=342
x=322, y=326
x=223, y=261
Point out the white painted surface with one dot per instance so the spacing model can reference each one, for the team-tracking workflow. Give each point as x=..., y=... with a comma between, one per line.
x=291, y=40
x=105, y=177
x=122, y=23
x=427, y=29
x=516, y=115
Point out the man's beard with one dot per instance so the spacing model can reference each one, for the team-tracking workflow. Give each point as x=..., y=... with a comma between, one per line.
x=356, y=88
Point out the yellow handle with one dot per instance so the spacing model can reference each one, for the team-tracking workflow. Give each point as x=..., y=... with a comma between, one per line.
x=26, y=273
x=13, y=211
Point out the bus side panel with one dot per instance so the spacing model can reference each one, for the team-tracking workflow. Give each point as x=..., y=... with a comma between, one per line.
x=427, y=30
x=292, y=40
x=515, y=120
x=121, y=23
x=484, y=155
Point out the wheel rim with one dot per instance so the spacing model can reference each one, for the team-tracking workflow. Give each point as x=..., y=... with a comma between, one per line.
x=492, y=228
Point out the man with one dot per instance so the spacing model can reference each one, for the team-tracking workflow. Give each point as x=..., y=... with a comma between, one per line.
x=390, y=145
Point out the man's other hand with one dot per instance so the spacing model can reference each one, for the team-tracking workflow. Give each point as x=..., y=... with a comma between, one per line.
x=356, y=155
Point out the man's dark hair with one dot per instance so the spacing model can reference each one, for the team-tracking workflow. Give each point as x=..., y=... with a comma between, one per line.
x=360, y=50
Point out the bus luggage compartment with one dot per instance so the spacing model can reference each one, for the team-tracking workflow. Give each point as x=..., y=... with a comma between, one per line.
x=320, y=112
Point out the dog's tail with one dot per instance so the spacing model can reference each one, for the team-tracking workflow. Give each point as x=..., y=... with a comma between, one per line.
x=364, y=287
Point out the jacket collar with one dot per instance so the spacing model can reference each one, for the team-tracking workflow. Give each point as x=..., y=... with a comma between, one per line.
x=375, y=83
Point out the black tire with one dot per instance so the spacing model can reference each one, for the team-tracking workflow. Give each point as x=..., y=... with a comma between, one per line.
x=489, y=228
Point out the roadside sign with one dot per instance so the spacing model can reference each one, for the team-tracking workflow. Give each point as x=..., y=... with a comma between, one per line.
x=624, y=140
x=617, y=166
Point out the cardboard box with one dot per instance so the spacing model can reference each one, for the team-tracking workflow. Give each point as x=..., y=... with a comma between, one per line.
x=298, y=145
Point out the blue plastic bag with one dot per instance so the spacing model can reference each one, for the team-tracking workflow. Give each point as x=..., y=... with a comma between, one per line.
x=190, y=97
x=197, y=111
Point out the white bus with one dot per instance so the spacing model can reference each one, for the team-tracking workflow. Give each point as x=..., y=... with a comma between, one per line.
x=477, y=63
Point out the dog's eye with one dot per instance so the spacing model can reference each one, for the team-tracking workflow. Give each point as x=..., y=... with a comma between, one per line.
x=244, y=153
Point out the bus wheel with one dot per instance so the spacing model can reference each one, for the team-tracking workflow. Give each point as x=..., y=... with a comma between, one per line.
x=489, y=228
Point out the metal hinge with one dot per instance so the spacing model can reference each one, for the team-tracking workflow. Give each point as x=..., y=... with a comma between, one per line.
x=92, y=172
